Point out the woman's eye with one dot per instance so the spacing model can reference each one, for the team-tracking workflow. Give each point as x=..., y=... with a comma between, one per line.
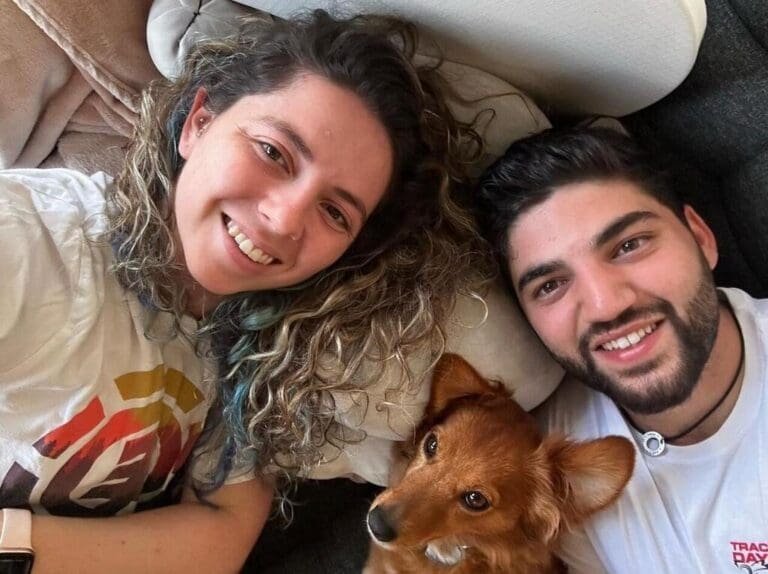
x=274, y=154
x=337, y=216
x=430, y=445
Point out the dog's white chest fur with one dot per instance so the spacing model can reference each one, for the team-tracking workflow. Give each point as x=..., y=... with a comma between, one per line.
x=447, y=555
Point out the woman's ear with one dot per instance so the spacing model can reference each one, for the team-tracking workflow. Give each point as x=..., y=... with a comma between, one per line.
x=196, y=123
x=702, y=234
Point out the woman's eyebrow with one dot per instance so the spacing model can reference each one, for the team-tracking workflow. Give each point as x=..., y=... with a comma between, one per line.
x=353, y=200
x=290, y=132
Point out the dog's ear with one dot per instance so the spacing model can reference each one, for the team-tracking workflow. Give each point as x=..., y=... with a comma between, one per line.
x=591, y=475
x=454, y=378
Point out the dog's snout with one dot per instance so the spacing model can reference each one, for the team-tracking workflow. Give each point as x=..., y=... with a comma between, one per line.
x=380, y=525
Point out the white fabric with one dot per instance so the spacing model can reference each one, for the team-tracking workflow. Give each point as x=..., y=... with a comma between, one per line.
x=698, y=508
x=608, y=57
x=94, y=417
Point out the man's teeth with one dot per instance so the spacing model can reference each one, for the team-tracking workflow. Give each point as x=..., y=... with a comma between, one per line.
x=629, y=340
x=246, y=245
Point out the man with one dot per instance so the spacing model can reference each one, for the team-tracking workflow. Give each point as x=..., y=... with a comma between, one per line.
x=614, y=274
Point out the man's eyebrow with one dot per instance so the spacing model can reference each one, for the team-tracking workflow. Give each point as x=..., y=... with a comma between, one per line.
x=537, y=271
x=288, y=131
x=618, y=225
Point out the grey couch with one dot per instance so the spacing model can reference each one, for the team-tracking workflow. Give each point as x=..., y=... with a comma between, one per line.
x=716, y=125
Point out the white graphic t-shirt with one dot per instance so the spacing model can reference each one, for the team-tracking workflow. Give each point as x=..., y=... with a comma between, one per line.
x=95, y=419
x=698, y=508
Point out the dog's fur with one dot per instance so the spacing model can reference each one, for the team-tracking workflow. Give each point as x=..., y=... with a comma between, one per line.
x=476, y=438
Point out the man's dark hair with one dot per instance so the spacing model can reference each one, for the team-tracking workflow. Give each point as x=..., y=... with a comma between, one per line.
x=534, y=168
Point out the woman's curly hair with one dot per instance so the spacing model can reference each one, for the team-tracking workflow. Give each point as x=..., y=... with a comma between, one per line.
x=384, y=298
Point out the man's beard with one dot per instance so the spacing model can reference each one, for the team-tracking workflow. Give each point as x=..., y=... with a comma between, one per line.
x=654, y=394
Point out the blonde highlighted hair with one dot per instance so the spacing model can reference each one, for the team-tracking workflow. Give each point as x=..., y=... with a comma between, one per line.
x=386, y=297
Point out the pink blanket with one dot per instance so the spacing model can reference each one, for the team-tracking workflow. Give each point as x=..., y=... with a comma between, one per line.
x=72, y=72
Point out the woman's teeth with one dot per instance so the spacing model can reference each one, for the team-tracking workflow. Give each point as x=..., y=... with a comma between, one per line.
x=629, y=340
x=246, y=245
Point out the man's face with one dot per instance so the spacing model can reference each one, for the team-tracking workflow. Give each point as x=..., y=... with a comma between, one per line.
x=619, y=289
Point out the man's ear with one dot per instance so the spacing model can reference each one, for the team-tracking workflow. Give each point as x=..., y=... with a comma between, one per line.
x=591, y=474
x=454, y=378
x=702, y=234
x=197, y=120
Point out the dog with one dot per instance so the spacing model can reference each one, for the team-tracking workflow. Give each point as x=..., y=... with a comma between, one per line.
x=482, y=491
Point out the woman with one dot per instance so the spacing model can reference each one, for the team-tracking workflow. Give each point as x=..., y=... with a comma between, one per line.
x=284, y=203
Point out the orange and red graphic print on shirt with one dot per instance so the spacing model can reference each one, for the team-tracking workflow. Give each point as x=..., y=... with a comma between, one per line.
x=100, y=463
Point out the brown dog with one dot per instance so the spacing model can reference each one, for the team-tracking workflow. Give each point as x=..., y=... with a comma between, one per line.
x=483, y=491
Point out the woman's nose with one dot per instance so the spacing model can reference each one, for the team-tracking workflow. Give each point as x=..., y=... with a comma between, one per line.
x=286, y=209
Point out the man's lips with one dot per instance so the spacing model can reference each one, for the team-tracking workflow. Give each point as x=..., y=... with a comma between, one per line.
x=623, y=352
x=625, y=336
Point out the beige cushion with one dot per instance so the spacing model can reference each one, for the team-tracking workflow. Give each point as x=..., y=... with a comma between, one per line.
x=501, y=112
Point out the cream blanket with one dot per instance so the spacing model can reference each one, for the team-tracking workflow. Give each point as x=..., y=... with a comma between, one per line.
x=72, y=71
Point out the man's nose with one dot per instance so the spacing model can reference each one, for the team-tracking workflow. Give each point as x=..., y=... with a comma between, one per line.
x=605, y=293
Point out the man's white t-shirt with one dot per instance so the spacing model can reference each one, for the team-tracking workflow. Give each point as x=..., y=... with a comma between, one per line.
x=698, y=508
x=95, y=418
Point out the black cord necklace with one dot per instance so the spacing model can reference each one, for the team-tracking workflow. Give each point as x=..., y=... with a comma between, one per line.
x=654, y=443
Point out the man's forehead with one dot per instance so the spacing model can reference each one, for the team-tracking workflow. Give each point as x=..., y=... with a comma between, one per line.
x=573, y=217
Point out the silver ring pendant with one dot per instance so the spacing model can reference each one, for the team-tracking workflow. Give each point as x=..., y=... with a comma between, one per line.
x=653, y=443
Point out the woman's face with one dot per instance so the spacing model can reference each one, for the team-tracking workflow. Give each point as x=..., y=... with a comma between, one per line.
x=277, y=187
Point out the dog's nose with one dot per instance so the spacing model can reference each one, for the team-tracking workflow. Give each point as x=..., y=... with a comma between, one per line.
x=380, y=526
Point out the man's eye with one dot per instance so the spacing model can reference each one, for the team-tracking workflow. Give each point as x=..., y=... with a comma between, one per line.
x=630, y=245
x=547, y=288
x=274, y=154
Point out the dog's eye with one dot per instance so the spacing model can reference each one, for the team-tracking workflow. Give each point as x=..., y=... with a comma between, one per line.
x=475, y=500
x=430, y=445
